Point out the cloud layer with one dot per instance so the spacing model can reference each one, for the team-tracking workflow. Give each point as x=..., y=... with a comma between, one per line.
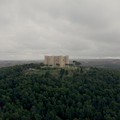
x=30, y=29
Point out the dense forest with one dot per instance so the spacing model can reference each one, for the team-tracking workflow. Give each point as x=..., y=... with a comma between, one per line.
x=34, y=92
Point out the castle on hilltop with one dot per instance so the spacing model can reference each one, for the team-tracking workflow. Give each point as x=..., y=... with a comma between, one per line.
x=56, y=61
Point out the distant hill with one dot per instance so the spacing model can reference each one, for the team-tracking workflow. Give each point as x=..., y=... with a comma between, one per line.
x=34, y=92
x=101, y=63
x=17, y=62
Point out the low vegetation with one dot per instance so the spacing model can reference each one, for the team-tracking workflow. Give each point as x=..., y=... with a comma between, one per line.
x=33, y=92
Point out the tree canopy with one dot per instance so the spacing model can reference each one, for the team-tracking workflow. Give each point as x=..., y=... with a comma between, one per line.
x=32, y=92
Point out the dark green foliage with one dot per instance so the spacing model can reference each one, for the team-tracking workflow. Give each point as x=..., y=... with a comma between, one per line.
x=32, y=92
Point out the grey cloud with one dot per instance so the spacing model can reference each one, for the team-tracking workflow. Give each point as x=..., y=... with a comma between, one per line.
x=29, y=29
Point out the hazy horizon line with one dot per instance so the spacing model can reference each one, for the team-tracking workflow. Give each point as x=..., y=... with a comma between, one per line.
x=96, y=58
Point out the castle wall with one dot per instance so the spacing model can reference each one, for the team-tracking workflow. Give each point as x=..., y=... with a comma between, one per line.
x=60, y=61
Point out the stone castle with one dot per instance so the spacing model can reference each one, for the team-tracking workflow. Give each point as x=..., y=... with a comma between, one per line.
x=56, y=61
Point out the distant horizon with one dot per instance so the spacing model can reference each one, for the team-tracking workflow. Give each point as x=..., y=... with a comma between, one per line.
x=92, y=58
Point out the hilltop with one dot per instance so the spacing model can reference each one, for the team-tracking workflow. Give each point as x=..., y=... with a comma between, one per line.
x=34, y=92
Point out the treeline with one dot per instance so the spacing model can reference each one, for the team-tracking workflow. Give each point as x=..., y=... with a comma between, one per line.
x=59, y=94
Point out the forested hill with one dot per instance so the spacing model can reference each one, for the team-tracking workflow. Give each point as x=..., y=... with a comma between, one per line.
x=32, y=92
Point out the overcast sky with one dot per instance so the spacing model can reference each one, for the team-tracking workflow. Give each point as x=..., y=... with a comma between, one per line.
x=30, y=29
